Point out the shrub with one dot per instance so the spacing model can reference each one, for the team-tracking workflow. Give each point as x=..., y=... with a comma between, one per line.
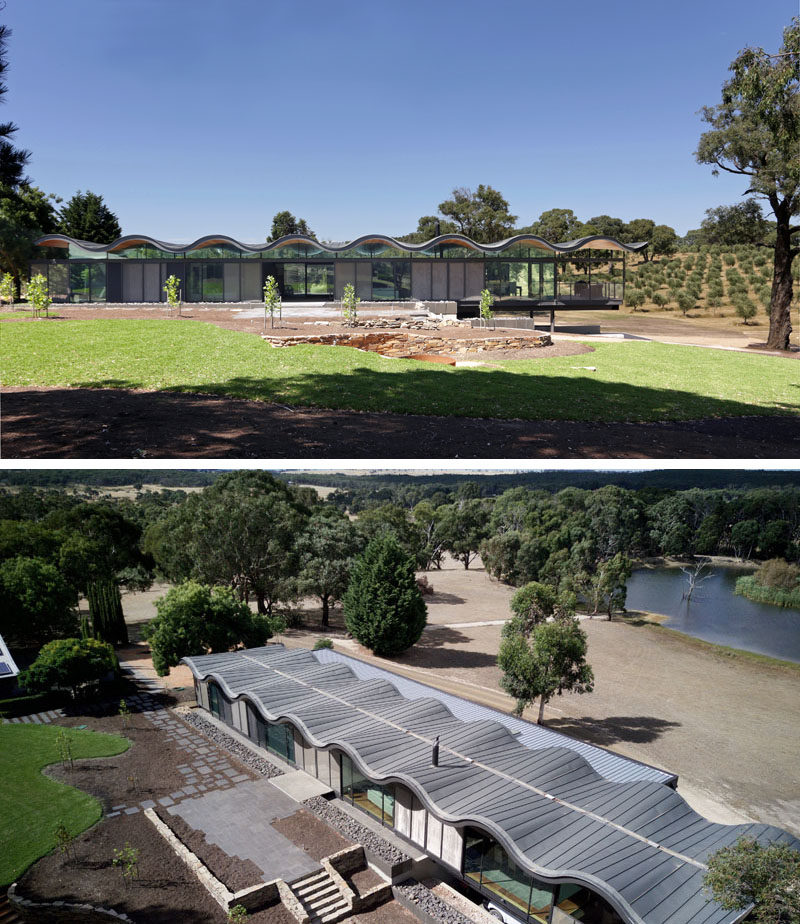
x=745, y=309
x=383, y=606
x=634, y=298
x=425, y=586
x=69, y=663
x=660, y=299
x=779, y=574
x=39, y=295
x=322, y=643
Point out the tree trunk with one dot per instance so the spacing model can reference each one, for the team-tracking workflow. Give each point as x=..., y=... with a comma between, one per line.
x=325, y=610
x=780, y=319
x=541, y=711
x=262, y=607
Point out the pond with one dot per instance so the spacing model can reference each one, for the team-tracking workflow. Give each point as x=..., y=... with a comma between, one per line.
x=715, y=613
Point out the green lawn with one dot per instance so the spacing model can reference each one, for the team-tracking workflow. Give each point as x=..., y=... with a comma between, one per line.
x=633, y=380
x=31, y=805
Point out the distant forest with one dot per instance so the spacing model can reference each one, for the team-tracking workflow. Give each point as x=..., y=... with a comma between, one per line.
x=108, y=478
x=495, y=483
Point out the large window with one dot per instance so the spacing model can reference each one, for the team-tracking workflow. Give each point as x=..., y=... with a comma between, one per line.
x=576, y=903
x=319, y=278
x=294, y=279
x=508, y=280
x=87, y=282
x=490, y=867
x=273, y=736
x=372, y=798
x=391, y=279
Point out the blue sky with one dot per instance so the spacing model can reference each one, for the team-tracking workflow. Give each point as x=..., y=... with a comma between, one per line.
x=192, y=117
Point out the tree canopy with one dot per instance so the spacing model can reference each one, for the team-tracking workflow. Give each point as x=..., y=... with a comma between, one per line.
x=327, y=548
x=36, y=601
x=383, y=606
x=481, y=215
x=755, y=133
x=87, y=218
x=26, y=214
x=284, y=223
x=69, y=662
x=13, y=160
x=743, y=223
x=545, y=660
x=195, y=619
x=748, y=873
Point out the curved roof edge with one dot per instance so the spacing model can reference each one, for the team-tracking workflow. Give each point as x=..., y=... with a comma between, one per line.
x=592, y=242
x=605, y=886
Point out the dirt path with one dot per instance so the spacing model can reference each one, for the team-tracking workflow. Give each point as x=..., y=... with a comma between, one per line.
x=81, y=423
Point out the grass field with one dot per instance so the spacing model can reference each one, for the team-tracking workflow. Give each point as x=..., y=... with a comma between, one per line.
x=31, y=805
x=637, y=381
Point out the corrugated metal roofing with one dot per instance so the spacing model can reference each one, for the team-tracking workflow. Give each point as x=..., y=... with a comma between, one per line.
x=633, y=840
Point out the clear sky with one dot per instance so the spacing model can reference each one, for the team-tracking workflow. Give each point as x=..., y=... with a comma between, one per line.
x=193, y=117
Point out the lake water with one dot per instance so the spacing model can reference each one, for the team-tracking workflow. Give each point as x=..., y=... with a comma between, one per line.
x=715, y=613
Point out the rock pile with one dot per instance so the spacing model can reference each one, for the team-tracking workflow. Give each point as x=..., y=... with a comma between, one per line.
x=405, y=344
x=245, y=755
x=431, y=904
x=348, y=827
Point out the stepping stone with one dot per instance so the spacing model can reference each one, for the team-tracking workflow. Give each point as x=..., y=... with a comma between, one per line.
x=132, y=810
x=112, y=814
x=148, y=803
x=240, y=778
x=191, y=790
x=117, y=808
x=166, y=801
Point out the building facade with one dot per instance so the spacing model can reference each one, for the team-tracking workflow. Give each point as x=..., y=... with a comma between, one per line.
x=522, y=272
x=551, y=829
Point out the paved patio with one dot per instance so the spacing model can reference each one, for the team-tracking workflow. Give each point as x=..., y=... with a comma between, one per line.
x=238, y=820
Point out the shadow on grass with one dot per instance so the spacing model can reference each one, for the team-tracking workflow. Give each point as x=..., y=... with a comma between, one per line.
x=638, y=729
x=446, y=598
x=494, y=393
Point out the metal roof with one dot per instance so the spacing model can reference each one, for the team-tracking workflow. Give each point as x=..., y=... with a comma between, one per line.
x=636, y=842
x=591, y=242
x=7, y=666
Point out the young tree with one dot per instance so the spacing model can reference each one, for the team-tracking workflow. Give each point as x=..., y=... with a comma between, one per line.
x=749, y=873
x=481, y=215
x=485, y=308
x=535, y=603
x=172, y=289
x=383, y=606
x=87, y=218
x=546, y=661
x=272, y=300
x=195, y=619
x=327, y=549
x=7, y=288
x=350, y=305
x=71, y=663
x=284, y=223
x=755, y=133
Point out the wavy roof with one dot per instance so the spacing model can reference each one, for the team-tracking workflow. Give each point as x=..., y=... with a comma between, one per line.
x=592, y=242
x=636, y=843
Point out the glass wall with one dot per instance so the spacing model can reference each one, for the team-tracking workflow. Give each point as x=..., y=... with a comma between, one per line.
x=391, y=279
x=576, y=903
x=490, y=867
x=274, y=736
x=320, y=278
x=371, y=797
x=87, y=282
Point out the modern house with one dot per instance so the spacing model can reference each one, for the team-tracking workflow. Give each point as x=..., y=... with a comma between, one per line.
x=551, y=829
x=522, y=272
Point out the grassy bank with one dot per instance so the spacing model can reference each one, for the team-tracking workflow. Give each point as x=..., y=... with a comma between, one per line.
x=638, y=381
x=749, y=587
x=31, y=805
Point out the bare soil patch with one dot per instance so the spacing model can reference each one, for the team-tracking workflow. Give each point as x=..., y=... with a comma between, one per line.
x=80, y=423
x=311, y=834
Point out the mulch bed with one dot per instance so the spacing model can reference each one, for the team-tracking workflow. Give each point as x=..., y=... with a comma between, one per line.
x=311, y=834
x=84, y=423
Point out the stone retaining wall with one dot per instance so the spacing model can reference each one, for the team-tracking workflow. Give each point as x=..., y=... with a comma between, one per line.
x=61, y=912
x=402, y=344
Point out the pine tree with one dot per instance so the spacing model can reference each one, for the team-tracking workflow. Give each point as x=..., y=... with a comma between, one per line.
x=383, y=606
x=105, y=608
x=87, y=218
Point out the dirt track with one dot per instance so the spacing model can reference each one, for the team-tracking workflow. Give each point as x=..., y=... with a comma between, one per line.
x=86, y=423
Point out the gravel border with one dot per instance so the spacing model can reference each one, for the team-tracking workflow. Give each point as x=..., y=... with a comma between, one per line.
x=242, y=752
x=351, y=829
x=431, y=905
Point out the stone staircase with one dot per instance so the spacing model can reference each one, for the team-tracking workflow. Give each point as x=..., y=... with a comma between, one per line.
x=321, y=898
